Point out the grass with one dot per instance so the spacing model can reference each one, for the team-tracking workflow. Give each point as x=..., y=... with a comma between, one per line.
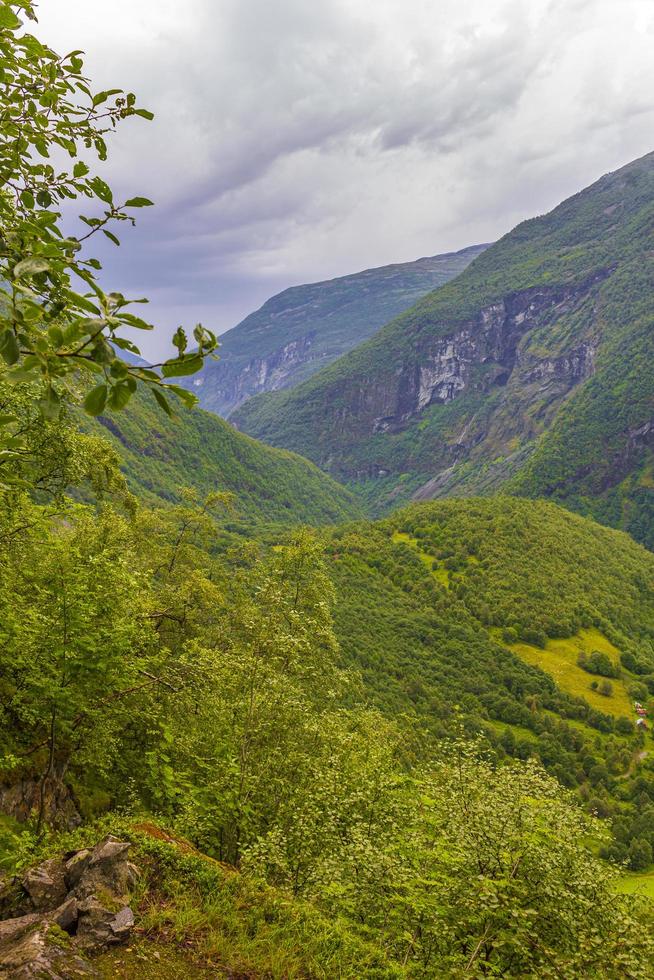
x=440, y=573
x=199, y=918
x=152, y=961
x=633, y=883
x=559, y=660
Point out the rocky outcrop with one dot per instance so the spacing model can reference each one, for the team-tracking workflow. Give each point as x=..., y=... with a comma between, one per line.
x=20, y=800
x=65, y=911
x=483, y=353
x=304, y=328
x=235, y=382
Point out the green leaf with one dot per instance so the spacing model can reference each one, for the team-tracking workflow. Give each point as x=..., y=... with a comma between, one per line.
x=103, y=96
x=50, y=404
x=9, y=350
x=110, y=236
x=180, y=367
x=56, y=336
x=27, y=198
x=102, y=190
x=96, y=400
x=162, y=402
x=8, y=19
x=80, y=169
x=187, y=397
x=145, y=113
x=125, y=345
x=120, y=395
x=138, y=202
x=179, y=340
x=31, y=267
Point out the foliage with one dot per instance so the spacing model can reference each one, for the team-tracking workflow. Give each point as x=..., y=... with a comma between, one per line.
x=160, y=455
x=428, y=640
x=154, y=661
x=484, y=877
x=58, y=328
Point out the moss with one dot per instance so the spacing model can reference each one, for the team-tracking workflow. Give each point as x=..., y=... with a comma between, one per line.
x=58, y=937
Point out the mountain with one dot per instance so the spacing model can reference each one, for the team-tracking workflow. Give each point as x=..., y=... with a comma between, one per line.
x=195, y=448
x=507, y=616
x=531, y=371
x=304, y=328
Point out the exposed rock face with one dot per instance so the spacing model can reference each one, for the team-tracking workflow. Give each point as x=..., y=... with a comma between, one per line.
x=68, y=908
x=235, y=384
x=483, y=353
x=20, y=800
x=305, y=328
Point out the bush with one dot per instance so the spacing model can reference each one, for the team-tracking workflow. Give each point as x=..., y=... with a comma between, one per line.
x=640, y=854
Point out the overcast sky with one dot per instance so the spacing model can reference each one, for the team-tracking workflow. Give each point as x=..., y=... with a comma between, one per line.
x=296, y=140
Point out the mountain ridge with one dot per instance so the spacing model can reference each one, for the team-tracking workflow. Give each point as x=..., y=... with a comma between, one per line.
x=162, y=455
x=456, y=394
x=300, y=330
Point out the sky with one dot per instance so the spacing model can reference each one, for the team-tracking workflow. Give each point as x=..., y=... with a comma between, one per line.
x=298, y=140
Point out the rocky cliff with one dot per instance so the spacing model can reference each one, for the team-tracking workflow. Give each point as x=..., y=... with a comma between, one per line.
x=529, y=372
x=305, y=328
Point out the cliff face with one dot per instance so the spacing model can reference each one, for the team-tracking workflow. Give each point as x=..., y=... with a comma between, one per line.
x=487, y=352
x=225, y=386
x=531, y=372
x=305, y=328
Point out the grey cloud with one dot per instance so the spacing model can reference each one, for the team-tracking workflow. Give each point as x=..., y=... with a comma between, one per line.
x=295, y=141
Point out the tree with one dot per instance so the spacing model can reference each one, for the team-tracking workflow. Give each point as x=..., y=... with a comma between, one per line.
x=640, y=854
x=75, y=646
x=480, y=873
x=58, y=327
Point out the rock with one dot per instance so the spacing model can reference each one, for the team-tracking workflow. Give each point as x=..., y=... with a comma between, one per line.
x=66, y=915
x=122, y=924
x=75, y=866
x=76, y=905
x=30, y=948
x=46, y=885
x=99, y=926
x=106, y=867
x=11, y=929
x=20, y=800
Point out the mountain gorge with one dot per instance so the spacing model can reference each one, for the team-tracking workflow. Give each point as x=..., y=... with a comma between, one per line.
x=256, y=723
x=305, y=328
x=530, y=371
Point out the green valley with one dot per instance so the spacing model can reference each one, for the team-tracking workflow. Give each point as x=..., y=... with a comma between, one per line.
x=249, y=730
x=161, y=455
x=528, y=373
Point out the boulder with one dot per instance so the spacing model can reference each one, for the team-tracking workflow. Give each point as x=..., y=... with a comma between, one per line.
x=105, y=867
x=75, y=906
x=75, y=865
x=30, y=948
x=99, y=927
x=66, y=915
x=46, y=885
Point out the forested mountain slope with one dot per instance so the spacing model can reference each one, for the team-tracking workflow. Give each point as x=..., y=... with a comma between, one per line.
x=161, y=455
x=304, y=328
x=515, y=617
x=533, y=365
x=195, y=779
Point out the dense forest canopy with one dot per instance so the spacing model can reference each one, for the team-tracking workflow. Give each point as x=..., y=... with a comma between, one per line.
x=344, y=717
